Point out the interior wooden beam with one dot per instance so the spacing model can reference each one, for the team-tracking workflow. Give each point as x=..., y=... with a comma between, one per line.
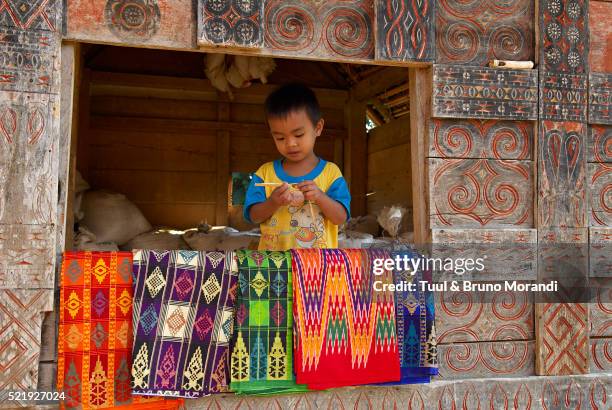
x=106, y=83
x=382, y=81
x=394, y=90
x=374, y=116
x=382, y=109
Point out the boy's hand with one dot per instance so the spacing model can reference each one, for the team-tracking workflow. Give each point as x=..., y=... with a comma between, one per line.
x=281, y=195
x=311, y=191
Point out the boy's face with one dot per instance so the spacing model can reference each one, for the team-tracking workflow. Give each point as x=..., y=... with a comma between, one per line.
x=295, y=135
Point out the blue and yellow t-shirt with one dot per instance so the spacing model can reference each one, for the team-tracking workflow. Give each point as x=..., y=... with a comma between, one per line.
x=293, y=226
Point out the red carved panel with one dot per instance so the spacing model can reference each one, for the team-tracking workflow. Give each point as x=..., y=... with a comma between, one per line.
x=600, y=194
x=600, y=143
x=20, y=332
x=600, y=29
x=454, y=138
x=465, y=36
x=478, y=317
x=480, y=193
x=601, y=355
x=165, y=23
x=563, y=335
x=486, y=359
x=338, y=29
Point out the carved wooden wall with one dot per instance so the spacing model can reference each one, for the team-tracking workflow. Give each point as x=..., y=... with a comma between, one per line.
x=563, y=393
x=485, y=146
x=29, y=131
x=599, y=181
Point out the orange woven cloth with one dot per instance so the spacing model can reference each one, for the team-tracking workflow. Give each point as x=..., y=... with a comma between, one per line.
x=95, y=333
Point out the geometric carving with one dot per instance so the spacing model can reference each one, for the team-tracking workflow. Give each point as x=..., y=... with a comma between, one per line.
x=563, y=97
x=20, y=333
x=230, y=22
x=600, y=98
x=451, y=138
x=480, y=193
x=599, y=143
x=313, y=28
x=29, y=125
x=465, y=36
x=27, y=256
x=562, y=175
x=564, y=42
x=481, y=92
x=563, y=338
x=486, y=359
x=39, y=15
x=28, y=60
x=405, y=30
x=465, y=317
x=600, y=194
x=511, y=254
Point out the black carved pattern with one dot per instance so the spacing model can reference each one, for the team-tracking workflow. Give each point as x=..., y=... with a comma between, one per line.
x=480, y=92
x=564, y=36
x=562, y=175
x=29, y=14
x=132, y=19
x=27, y=60
x=563, y=96
x=405, y=30
x=600, y=98
x=229, y=22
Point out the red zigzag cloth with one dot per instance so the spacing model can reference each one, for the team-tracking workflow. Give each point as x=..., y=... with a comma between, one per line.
x=345, y=330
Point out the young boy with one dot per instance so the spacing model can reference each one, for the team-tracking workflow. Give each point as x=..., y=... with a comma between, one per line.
x=295, y=122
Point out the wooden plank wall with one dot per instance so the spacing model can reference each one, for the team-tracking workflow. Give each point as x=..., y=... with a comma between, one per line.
x=481, y=183
x=599, y=182
x=156, y=140
x=389, y=172
x=29, y=153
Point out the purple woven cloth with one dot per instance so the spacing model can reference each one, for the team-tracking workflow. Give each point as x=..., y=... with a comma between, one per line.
x=183, y=319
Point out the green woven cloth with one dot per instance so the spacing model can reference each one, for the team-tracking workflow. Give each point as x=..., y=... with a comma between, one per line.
x=261, y=360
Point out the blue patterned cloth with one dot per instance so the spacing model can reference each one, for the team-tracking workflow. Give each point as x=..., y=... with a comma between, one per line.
x=416, y=333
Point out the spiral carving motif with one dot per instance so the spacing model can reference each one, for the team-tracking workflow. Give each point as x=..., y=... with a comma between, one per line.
x=343, y=29
x=481, y=139
x=464, y=37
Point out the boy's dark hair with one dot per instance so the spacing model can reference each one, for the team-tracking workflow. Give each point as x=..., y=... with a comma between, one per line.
x=293, y=97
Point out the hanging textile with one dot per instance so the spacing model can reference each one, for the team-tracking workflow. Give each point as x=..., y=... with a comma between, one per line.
x=345, y=328
x=261, y=360
x=183, y=314
x=95, y=332
x=416, y=332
